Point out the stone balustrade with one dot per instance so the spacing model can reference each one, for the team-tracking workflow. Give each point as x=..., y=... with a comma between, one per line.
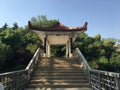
x=17, y=80
x=99, y=80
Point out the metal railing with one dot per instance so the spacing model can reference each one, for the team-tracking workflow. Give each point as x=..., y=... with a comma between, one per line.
x=99, y=80
x=17, y=80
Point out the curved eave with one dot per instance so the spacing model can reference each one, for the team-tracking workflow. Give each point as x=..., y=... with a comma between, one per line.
x=58, y=28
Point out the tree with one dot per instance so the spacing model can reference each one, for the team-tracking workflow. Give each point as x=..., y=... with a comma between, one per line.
x=97, y=37
x=31, y=41
x=5, y=54
x=10, y=38
x=5, y=26
x=42, y=21
x=58, y=51
x=108, y=47
x=88, y=46
x=15, y=26
x=12, y=42
x=93, y=47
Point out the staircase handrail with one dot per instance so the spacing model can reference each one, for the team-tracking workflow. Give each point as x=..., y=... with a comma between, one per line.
x=17, y=80
x=32, y=63
x=84, y=65
x=83, y=58
x=10, y=80
x=98, y=79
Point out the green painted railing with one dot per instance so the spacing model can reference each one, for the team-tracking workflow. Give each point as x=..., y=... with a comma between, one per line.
x=99, y=80
x=17, y=80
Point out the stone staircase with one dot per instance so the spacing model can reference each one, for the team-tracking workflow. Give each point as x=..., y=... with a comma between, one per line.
x=56, y=73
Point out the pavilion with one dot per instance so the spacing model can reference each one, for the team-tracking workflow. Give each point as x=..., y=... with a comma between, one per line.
x=58, y=34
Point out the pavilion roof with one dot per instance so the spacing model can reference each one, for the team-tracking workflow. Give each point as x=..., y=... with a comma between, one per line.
x=58, y=27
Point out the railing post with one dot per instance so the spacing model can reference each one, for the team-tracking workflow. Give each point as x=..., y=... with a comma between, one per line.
x=117, y=79
x=28, y=77
x=17, y=80
x=99, y=81
x=1, y=86
x=89, y=77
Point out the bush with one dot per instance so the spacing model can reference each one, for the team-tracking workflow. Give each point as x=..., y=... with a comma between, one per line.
x=5, y=54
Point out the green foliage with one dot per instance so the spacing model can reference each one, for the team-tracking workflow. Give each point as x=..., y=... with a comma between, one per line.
x=103, y=60
x=17, y=47
x=58, y=51
x=42, y=21
x=18, y=67
x=89, y=46
x=108, y=47
x=5, y=26
x=15, y=26
x=10, y=38
x=18, y=44
x=32, y=47
x=100, y=53
x=5, y=53
x=97, y=37
x=94, y=64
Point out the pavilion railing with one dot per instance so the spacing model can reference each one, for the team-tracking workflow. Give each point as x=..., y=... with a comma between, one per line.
x=17, y=80
x=99, y=80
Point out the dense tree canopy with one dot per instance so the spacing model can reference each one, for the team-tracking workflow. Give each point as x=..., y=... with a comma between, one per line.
x=18, y=44
x=5, y=53
x=42, y=21
x=100, y=53
x=13, y=41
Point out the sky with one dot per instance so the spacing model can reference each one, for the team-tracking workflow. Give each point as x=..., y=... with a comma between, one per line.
x=103, y=16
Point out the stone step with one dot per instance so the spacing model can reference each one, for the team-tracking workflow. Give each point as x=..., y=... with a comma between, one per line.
x=69, y=68
x=44, y=88
x=58, y=68
x=63, y=58
x=59, y=85
x=58, y=71
x=58, y=60
x=61, y=65
x=59, y=77
x=57, y=81
x=60, y=74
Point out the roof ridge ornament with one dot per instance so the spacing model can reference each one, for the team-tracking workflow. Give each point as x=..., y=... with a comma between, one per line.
x=86, y=23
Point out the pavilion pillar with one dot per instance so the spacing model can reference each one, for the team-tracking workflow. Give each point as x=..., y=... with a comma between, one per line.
x=70, y=54
x=67, y=50
x=48, y=50
x=71, y=42
x=45, y=47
